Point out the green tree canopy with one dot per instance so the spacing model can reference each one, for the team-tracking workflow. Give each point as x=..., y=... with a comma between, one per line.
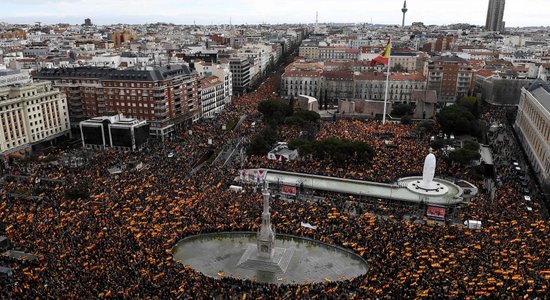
x=401, y=109
x=337, y=150
x=274, y=111
x=458, y=120
x=472, y=104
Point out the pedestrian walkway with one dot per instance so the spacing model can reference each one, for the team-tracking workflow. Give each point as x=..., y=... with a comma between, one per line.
x=386, y=191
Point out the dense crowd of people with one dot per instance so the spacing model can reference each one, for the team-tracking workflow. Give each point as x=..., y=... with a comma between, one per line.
x=118, y=242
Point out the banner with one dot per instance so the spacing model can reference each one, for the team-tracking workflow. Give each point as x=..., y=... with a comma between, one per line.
x=288, y=190
x=307, y=225
x=435, y=212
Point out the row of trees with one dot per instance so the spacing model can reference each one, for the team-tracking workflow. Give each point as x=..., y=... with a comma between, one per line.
x=466, y=154
x=338, y=150
x=461, y=118
x=275, y=113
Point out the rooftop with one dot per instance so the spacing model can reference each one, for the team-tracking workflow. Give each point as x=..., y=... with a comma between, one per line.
x=157, y=74
x=541, y=91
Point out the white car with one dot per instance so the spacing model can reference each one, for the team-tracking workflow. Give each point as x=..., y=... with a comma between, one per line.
x=170, y=155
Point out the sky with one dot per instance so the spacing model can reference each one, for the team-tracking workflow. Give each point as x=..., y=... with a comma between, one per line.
x=206, y=12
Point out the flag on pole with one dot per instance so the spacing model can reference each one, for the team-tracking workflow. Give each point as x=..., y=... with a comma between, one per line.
x=383, y=57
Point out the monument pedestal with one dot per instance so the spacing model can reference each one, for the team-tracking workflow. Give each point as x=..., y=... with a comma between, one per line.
x=278, y=263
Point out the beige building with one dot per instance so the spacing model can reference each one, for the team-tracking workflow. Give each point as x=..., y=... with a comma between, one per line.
x=31, y=114
x=312, y=79
x=533, y=127
x=309, y=52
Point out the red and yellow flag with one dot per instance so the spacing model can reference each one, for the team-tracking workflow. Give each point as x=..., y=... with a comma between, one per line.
x=383, y=57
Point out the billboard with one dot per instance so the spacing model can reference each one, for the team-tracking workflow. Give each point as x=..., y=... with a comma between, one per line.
x=288, y=190
x=435, y=212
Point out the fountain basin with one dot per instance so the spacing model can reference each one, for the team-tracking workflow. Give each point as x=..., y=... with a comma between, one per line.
x=217, y=255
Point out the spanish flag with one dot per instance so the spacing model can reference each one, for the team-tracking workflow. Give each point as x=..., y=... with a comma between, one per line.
x=383, y=57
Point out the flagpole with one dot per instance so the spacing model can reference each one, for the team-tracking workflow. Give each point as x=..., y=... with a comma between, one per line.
x=387, y=85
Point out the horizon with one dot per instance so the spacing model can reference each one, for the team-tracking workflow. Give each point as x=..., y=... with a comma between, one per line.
x=251, y=12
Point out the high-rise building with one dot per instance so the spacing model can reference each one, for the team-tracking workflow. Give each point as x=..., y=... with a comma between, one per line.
x=495, y=14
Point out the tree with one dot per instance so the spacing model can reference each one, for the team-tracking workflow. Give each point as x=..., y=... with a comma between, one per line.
x=401, y=109
x=471, y=145
x=263, y=142
x=337, y=150
x=274, y=111
x=458, y=120
x=302, y=117
x=406, y=120
x=471, y=103
x=464, y=156
x=468, y=153
x=438, y=144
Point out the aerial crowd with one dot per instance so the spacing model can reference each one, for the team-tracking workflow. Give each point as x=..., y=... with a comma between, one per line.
x=118, y=242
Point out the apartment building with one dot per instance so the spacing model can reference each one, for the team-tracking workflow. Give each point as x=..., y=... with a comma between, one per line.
x=166, y=97
x=212, y=96
x=451, y=77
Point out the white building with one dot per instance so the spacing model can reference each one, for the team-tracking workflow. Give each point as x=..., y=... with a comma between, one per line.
x=31, y=114
x=116, y=132
x=10, y=78
x=533, y=127
x=222, y=71
x=212, y=97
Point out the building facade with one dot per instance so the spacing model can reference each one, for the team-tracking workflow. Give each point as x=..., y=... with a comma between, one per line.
x=309, y=52
x=533, y=127
x=331, y=86
x=212, y=96
x=450, y=77
x=240, y=68
x=495, y=14
x=11, y=77
x=166, y=97
x=31, y=114
x=338, y=53
x=116, y=132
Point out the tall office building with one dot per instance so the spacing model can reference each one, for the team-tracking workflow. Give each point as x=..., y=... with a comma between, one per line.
x=495, y=13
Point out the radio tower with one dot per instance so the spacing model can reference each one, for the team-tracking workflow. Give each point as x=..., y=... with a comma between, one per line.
x=316, y=22
x=404, y=10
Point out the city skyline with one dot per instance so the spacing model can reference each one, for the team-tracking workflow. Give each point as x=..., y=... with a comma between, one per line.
x=270, y=11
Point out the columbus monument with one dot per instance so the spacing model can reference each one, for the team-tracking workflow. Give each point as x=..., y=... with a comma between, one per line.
x=264, y=256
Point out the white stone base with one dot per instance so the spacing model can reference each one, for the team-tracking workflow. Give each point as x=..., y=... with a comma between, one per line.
x=435, y=188
x=277, y=264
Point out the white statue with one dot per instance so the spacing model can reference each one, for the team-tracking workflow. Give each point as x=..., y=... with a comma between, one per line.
x=428, y=173
x=429, y=169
